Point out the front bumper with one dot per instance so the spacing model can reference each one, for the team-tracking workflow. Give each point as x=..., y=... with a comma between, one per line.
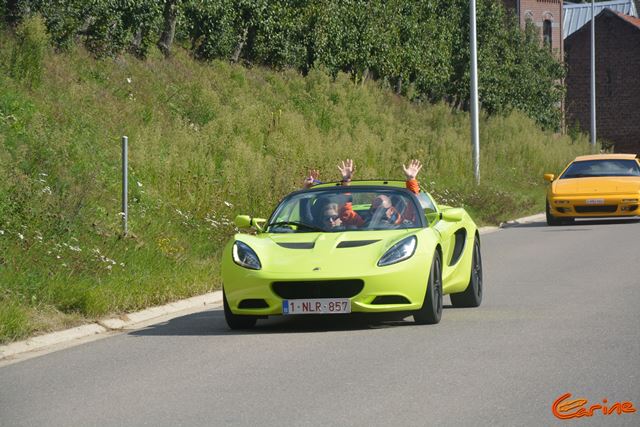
x=407, y=279
x=595, y=206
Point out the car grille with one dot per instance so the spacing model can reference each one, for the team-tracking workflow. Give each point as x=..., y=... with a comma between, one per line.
x=596, y=209
x=318, y=289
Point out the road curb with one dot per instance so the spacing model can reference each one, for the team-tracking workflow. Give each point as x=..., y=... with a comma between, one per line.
x=129, y=320
x=525, y=220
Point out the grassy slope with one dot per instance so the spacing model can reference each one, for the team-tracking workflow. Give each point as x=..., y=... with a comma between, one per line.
x=207, y=141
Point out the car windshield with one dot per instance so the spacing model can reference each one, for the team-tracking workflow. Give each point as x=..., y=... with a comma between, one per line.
x=609, y=167
x=346, y=209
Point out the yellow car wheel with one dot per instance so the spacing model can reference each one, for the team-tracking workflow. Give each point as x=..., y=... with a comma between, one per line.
x=551, y=220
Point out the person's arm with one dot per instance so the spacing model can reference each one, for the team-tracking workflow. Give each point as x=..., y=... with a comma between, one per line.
x=347, y=214
x=410, y=173
x=311, y=179
x=347, y=169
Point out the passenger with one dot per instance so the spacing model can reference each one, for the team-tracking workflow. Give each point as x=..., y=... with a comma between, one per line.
x=382, y=208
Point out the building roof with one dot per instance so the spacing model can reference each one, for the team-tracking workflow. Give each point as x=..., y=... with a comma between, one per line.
x=575, y=15
x=607, y=156
x=630, y=19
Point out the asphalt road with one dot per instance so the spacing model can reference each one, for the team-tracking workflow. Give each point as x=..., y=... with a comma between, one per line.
x=561, y=314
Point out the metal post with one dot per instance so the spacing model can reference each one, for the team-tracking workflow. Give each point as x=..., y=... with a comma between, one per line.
x=125, y=184
x=593, y=77
x=475, y=137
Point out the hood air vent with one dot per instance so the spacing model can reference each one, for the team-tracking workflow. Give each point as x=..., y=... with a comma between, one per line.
x=355, y=243
x=303, y=245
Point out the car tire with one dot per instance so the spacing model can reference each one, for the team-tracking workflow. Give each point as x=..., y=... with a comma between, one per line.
x=472, y=296
x=551, y=220
x=431, y=310
x=236, y=321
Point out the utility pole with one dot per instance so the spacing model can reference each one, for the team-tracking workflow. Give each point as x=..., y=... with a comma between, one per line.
x=475, y=137
x=593, y=76
x=125, y=185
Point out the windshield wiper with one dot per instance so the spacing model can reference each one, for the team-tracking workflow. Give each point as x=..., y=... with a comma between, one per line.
x=298, y=224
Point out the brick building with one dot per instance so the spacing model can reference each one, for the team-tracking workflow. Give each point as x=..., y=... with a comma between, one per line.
x=617, y=79
x=578, y=14
x=544, y=14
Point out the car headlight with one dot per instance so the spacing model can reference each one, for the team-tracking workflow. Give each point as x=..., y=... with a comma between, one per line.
x=245, y=257
x=402, y=250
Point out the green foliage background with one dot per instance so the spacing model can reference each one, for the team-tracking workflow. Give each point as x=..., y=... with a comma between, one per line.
x=420, y=48
x=208, y=140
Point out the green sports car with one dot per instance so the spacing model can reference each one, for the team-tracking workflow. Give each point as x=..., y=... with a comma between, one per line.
x=372, y=246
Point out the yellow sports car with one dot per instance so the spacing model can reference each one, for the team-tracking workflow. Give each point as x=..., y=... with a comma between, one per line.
x=603, y=185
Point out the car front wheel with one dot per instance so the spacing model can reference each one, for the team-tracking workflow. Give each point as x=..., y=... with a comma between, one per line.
x=431, y=310
x=551, y=220
x=235, y=321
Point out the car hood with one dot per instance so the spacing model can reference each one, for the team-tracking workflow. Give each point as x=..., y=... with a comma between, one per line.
x=296, y=253
x=596, y=185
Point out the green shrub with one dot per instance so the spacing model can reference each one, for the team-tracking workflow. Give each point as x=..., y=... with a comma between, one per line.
x=28, y=53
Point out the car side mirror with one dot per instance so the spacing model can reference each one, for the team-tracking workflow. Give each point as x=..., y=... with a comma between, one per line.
x=549, y=177
x=245, y=221
x=452, y=215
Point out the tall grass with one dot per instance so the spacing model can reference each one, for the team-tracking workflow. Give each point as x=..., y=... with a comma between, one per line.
x=207, y=142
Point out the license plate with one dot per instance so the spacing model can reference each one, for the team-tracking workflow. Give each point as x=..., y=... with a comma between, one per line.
x=316, y=306
x=595, y=201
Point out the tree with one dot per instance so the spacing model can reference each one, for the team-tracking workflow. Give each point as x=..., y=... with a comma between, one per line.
x=170, y=17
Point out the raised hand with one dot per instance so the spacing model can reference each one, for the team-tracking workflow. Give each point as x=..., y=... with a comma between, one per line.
x=347, y=168
x=412, y=170
x=311, y=178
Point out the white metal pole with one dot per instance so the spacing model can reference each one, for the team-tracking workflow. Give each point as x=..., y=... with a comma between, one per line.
x=125, y=184
x=475, y=137
x=593, y=76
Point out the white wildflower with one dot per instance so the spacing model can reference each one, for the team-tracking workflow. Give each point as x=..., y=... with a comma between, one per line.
x=227, y=204
x=129, y=80
x=108, y=267
x=75, y=248
x=57, y=256
x=21, y=236
x=122, y=264
x=46, y=190
x=1, y=232
x=139, y=183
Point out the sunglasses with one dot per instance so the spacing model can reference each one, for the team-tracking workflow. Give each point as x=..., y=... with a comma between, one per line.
x=330, y=218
